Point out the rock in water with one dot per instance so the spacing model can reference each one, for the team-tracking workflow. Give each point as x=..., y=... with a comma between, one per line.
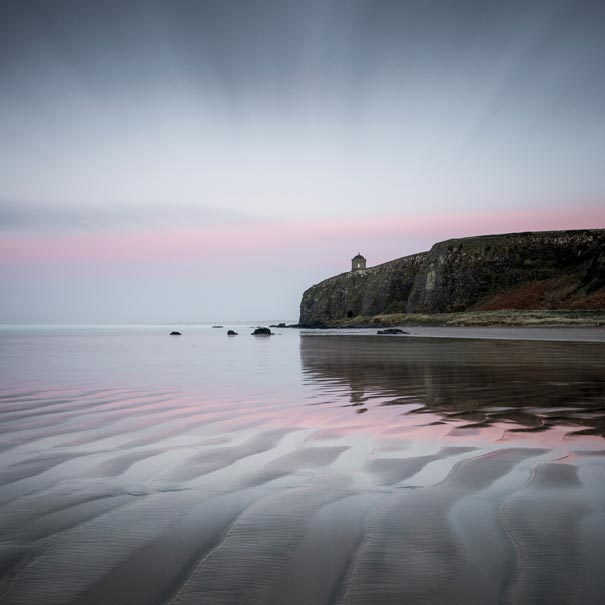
x=392, y=331
x=231, y=333
x=175, y=334
x=262, y=332
x=217, y=326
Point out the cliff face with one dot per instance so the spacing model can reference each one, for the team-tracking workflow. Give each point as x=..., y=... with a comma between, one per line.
x=543, y=270
x=366, y=292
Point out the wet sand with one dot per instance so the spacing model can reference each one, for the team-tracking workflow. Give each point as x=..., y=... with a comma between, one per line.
x=566, y=334
x=474, y=475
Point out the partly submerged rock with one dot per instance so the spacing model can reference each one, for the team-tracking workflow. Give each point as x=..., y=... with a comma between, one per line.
x=175, y=334
x=217, y=326
x=280, y=325
x=262, y=332
x=231, y=333
x=392, y=331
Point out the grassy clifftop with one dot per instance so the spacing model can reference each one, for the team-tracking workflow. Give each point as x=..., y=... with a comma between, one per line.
x=507, y=317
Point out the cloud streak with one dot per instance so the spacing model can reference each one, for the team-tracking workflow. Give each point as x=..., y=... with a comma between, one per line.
x=284, y=242
x=208, y=143
x=53, y=216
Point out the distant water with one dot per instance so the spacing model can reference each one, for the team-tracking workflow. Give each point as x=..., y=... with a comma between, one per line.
x=142, y=468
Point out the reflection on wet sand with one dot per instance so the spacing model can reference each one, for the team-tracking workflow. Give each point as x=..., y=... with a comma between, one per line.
x=523, y=385
x=146, y=494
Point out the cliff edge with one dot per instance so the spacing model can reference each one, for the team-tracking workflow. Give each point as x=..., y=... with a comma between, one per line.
x=534, y=270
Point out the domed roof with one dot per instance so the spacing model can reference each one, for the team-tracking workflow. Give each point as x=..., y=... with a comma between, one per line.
x=358, y=257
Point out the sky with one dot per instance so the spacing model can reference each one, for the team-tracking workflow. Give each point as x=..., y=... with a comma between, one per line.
x=205, y=161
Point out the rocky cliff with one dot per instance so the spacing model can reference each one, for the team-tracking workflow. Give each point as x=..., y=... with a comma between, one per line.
x=541, y=270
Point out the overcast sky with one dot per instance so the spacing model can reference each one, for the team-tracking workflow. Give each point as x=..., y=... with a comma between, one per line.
x=209, y=160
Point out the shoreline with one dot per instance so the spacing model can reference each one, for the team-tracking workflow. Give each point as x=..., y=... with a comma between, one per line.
x=530, y=333
x=552, y=318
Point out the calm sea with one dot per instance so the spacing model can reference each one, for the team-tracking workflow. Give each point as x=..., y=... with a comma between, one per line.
x=136, y=467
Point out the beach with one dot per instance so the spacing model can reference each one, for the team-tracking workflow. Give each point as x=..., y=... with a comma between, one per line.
x=305, y=467
x=545, y=333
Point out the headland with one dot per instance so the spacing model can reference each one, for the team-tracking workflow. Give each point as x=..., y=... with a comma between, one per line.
x=551, y=278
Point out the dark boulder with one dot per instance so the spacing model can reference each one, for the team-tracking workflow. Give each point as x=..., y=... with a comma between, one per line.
x=392, y=331
x=175, y=334
x=217, y=326
x=262, y=332
x=231, y=333
x=282, y=325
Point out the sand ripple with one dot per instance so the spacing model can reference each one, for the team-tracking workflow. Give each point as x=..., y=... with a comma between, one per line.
x=133, y=496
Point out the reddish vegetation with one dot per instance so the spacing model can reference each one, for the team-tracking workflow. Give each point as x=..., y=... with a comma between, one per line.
x=557, y=293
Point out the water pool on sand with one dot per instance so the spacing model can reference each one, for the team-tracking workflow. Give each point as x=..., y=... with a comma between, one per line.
x=139, y=468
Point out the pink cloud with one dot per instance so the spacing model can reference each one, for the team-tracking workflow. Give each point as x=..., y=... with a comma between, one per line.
x=459, y=224
x=307, y=242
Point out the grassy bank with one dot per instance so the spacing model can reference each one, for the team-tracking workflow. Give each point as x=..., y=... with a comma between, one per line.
x=479, y=318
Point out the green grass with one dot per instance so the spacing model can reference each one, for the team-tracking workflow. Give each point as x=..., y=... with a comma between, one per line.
x=479, y=318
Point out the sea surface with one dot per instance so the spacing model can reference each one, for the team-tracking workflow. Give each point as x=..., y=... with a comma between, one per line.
x=305, y=468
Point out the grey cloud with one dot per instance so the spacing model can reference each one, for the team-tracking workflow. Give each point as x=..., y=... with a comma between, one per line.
x=30, y=215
